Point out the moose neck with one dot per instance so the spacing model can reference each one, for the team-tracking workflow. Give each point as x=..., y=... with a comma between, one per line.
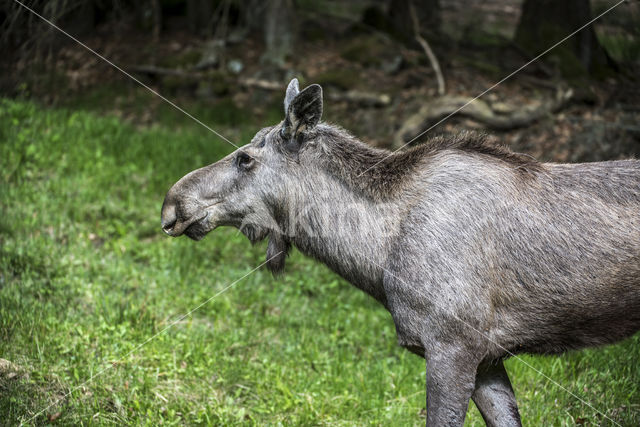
x=348, y=233
x=345, y=226
x=377, y=173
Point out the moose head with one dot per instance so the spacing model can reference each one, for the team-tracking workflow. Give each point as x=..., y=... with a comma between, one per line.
x=250, y=188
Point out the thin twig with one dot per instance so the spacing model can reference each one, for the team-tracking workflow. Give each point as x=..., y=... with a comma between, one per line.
x=427, y=49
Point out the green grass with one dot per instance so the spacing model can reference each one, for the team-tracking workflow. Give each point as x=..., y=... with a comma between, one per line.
x=86, y=276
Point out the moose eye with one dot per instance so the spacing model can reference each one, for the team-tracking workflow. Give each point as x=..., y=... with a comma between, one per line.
x=243, y=160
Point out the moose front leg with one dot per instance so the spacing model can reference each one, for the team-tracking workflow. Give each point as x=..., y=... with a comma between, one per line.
x=494, y=396
x=451, y=374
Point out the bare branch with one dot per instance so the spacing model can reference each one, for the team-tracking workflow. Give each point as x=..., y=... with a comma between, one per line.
x=427, y=49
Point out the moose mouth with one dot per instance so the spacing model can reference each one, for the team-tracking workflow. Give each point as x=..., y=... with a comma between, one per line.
x=198, y=229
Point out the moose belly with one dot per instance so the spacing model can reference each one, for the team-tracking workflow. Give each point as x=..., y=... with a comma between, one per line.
x=552, y=330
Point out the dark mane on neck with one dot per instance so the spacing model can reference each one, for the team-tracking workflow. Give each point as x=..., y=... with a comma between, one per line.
x=379, y=173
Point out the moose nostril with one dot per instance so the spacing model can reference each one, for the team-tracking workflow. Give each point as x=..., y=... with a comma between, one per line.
x=167, y=226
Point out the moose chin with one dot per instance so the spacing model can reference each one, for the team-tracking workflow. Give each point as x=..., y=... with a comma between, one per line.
x=478, y=253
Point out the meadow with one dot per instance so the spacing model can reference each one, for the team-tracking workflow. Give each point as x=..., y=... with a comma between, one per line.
x=87, y=276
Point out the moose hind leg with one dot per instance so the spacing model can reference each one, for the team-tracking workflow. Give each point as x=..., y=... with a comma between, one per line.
x=494, y=396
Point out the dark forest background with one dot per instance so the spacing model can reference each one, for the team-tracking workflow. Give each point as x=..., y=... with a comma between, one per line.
x=390, y=68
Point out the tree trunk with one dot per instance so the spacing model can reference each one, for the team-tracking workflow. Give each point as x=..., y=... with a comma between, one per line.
x=427, y=11
x=156, y=10
x=279, y=32
x=199, y=13
x=545, y=22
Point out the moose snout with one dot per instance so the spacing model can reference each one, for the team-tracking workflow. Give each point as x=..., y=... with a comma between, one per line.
x=169, y=218
x=179, y=214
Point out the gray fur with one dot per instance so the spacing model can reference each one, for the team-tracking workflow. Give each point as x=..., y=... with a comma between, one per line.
x=292, y=91
x=304, y=113
x=479, y=253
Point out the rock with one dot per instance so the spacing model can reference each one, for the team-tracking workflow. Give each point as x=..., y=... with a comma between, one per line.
x=341, y=78
x=235, y=66
x=237, y=35
x=393, y=65
x=9, y=371
x=210, y=54
x=5, y=365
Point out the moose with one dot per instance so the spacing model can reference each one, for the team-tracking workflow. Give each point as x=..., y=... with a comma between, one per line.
x=478, y=253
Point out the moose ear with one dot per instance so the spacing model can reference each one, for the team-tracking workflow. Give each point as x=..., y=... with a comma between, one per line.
x=292, y=91
x=303, y=114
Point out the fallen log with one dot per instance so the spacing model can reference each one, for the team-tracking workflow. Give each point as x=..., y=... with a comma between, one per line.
x=366, y=99
x=261, y=84
x=152, y=70
x=479, y=111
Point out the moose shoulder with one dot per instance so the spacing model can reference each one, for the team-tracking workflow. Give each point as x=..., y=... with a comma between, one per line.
x=479, y=253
